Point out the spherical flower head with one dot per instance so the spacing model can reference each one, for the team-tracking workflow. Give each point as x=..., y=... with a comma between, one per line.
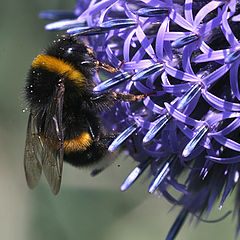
x=184, y=56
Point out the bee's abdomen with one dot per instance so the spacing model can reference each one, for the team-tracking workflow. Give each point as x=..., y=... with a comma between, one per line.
x=79, y=143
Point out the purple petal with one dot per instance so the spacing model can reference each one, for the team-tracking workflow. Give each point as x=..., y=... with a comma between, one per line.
x=230, y=160
x=153, y=106
x=222, y=116
x=210, y=25
x=127, y=45
x=219, y=103
x=202, y=13
x=230, y=128
x=97, y=7
x=160, y=38
x=140, y=52
x=112, y=57
x=133, y=65
x=188, y=11
x=212, y=56
x=227, y=31
x=176, y=89
x=186, y=58
x=204, y=47
x=143, y=89
x=171, y=36
x=178, y=19
x=181, y=117
x=229, y=143
x=234, y=78
x=145, y=42
x=214, y=76
x=179, y=74
x=236, y=18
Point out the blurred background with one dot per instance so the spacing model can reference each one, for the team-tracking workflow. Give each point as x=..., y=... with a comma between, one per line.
x=86, y=207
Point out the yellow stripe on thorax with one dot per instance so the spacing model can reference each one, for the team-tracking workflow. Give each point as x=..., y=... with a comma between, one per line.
x=60, y=67
x=79, y=143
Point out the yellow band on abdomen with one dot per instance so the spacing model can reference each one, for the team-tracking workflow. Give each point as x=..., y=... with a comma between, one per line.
x=60, y=67
x=79, y=143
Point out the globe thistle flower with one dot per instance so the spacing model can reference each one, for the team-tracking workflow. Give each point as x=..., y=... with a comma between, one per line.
x=185, y=56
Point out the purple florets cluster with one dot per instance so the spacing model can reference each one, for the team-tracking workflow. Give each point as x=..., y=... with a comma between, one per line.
x=185, y=56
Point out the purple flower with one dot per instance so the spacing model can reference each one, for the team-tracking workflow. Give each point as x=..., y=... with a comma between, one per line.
x=185, y=56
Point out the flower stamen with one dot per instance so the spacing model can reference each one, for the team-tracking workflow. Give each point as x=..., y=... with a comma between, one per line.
x=133, y=176
x=183, y=41
x=112, y=82
x=146, y=72
x=194, y=141
x=160, y=123
x=152, y=12
x=122, y=137
x=162, y=173
x=233, y=56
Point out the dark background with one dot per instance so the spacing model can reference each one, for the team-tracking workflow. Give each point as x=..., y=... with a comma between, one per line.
x=86, y=208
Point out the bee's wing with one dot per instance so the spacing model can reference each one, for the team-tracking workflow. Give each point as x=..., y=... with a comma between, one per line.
x=52, y=155
x=33, y=149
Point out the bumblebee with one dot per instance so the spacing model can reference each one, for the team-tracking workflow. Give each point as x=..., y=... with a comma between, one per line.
x=64, y=121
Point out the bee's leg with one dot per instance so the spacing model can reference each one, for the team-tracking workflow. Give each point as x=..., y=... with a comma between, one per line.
x=108, y=67
x=128, y=97
x=106, y=100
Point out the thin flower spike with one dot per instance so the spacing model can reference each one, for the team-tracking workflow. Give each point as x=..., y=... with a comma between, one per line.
x=122, y=137
x=152, y=12
x=64, y=24
x=57, y=14
x=103, y=28
x=184, y=57
x=134, y=175
x=177, y=225
x=183, y=41
x=86, y=31
x=119, y=23
x=194, y=141
x=122, y=77
x=188, y=96
x=158, y=125
x=145, y=73
x=232, y=56
x=161, y=175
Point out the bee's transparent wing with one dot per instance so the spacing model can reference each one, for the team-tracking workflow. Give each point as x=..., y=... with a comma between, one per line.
x=52, y=154
x=32, y=154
